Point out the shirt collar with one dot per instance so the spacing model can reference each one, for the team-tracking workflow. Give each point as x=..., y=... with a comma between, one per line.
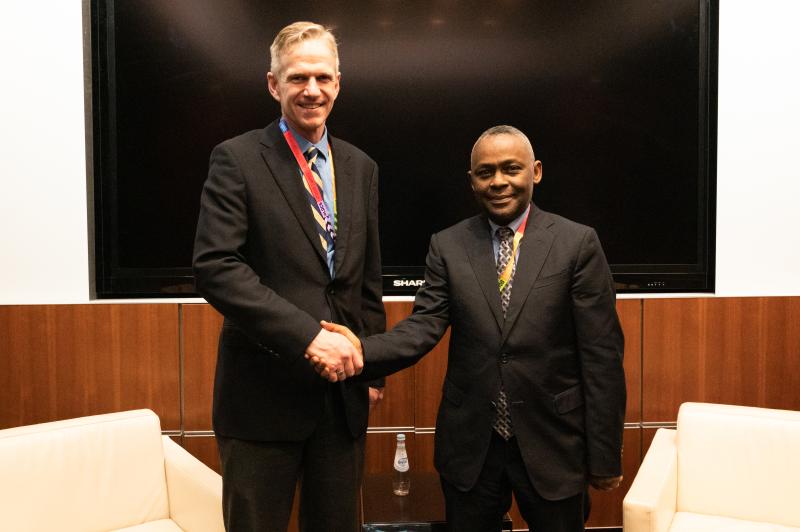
x=514, y=225
x=304, y=144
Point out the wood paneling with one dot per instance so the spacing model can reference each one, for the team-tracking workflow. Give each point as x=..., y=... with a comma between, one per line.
x=65, y=361
x=424, y=452
x=630, y=316
x=200, y=335
x=720, y=350
x=429, y=373
x=204, y=448
x=397, y=407
x=780, y=342
x=648, y=433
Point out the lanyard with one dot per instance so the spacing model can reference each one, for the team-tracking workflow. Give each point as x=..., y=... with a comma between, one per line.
x=505, y=277
x=309, y=177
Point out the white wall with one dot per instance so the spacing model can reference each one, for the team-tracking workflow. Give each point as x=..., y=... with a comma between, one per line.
x=43, y=222
x=758, y=175
x=43, y=232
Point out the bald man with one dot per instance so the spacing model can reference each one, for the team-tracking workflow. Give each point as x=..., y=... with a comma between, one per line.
x=534, y=396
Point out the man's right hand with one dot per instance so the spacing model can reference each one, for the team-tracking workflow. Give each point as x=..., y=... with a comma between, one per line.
x=336, y=354
x=341, y=329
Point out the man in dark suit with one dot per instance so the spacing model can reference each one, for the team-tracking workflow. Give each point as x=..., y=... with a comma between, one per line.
x=534, y=396
x=286, y=238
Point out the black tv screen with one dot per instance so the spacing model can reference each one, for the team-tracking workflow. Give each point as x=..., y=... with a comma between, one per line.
x=617, y=96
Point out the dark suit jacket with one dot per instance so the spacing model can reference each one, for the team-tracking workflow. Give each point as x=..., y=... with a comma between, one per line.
x=258, y=261
x=559, y=352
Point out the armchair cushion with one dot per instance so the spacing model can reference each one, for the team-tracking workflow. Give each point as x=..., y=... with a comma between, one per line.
x=739, y=462
x=106, y=472
x=691, y=522
x=726, y=468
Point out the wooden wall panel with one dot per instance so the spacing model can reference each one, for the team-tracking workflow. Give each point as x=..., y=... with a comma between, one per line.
x=429, y=373
x=397, y=407
x=719, y=350
x=199, y=336
x=630, y=317
x=781, y=346
x=424, y=452
x=648, y=433
x=204, y=448
x=65, y=361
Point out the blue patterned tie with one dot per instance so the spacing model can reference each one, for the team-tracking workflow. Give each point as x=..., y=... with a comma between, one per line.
x=502, y=421
x=326, y=234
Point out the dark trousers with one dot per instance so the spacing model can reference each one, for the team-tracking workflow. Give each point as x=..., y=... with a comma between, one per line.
x=481, y=509
x=259, y=478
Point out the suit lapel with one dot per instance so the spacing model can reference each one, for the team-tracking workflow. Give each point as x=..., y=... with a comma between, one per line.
x=345, y=188
x=533, y=251
x=478, y=243
x=283, y=167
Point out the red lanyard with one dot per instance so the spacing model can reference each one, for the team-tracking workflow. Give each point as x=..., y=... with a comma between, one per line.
x=309, y=177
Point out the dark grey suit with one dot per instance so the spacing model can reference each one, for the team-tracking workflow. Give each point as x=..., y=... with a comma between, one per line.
x=258, y=261
x=559, y=352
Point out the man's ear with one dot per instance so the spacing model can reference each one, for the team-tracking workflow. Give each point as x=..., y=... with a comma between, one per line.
x=471, y=184
x=537, y=172
x=337, y=85
x=272, y=85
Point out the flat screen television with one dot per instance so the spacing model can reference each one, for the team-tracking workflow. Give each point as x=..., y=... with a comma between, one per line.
x=618, y=97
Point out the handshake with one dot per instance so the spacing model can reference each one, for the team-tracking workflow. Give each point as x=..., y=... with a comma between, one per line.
x=335, y=352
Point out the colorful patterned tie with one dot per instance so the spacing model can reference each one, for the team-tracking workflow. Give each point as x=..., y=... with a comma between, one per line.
x=326, y=234
x=505, y=256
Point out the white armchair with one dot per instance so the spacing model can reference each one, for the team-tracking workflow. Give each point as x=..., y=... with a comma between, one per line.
x=725, y=469
x=100, y=473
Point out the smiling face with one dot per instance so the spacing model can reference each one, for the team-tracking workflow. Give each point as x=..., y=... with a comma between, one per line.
x=503, y=174
x=306, y=84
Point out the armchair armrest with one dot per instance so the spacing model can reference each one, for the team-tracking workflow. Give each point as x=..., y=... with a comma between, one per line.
x=651, y=502
x=194, y=491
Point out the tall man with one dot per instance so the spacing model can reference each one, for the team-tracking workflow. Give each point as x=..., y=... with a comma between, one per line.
x=286, y=238
x=534, y=396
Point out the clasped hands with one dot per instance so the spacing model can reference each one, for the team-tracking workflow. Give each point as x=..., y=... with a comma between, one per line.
x=335, y=353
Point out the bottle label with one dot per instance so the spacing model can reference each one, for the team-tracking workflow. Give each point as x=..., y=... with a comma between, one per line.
x=401, y=463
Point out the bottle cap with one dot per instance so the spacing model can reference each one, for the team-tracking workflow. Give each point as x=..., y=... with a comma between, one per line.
x=401, y=437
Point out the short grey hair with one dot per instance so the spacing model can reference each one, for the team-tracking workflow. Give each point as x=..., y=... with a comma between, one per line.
x=503, y=130
x=294, y=34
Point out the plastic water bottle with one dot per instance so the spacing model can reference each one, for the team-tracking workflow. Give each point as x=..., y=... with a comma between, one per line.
x=401, y=482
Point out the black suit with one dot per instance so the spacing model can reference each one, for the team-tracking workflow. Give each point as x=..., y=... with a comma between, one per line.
x=559, y=351
x=258, y=260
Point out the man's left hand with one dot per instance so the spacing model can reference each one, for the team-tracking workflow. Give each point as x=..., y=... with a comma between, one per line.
x=375, y=396
x=605, y=483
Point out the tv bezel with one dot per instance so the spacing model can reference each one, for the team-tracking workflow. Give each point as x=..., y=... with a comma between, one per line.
x=113, y=281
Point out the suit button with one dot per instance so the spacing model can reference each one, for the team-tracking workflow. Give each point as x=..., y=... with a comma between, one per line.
x=331, y=290
x=504, y=358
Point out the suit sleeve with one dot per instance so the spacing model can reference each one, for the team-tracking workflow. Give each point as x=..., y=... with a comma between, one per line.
x=600, y=345
x=414, y=337
x=223, y=277
x=372, y=310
